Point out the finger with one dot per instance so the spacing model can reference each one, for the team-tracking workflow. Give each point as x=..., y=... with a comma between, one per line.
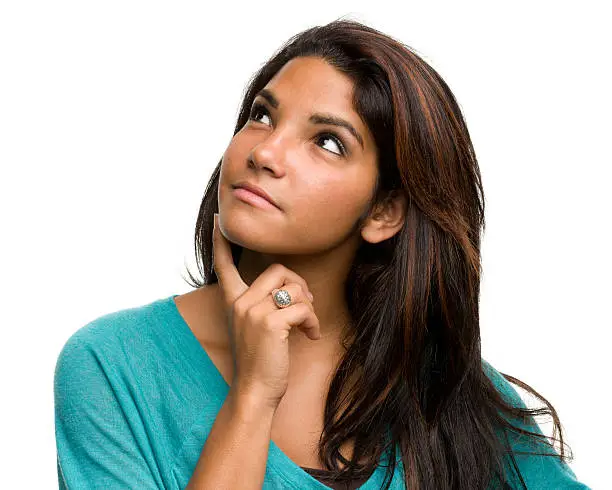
x=297, y=293
x=231, y=284
x=264, y=307
x=298, y=316
x=274, y=277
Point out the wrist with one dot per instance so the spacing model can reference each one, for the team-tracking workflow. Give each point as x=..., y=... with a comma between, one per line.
x=249, y=405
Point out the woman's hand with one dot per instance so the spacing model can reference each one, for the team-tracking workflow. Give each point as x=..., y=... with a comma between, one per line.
x=259, y=330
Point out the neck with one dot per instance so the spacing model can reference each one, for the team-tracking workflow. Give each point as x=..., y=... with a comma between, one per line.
x=325, y=275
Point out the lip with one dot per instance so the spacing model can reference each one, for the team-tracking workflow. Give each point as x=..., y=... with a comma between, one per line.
x=253, y=199
x=253, y=190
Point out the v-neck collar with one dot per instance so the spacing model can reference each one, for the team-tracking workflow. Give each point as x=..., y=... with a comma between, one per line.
x=278, y=461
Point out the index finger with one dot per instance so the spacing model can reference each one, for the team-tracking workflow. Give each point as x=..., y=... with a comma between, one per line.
x=231, y=284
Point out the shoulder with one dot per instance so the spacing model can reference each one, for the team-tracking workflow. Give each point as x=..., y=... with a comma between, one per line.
x=103, y=387
x=540, y=464
x=113, y=339
x=502, y=385
x=115, y=326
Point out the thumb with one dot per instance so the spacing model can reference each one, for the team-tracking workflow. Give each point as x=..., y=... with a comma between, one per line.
x=231, y=284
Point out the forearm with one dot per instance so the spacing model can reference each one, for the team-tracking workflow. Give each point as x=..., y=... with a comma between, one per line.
x=236, y=450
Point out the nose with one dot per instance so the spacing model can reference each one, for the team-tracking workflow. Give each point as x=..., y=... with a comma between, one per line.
x=271, y=153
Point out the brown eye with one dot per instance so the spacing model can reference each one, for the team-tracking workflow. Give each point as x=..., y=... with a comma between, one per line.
x=335, y=139
x=258, y=109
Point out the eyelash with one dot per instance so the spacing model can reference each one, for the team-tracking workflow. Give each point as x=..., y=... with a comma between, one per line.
x=260, y=107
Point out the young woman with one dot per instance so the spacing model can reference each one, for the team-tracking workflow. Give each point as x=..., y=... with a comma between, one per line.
x=333, y=342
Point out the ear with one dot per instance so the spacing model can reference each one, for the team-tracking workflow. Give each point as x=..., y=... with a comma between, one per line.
x=386, y=219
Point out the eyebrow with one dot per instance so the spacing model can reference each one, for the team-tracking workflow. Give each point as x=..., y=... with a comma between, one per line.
x=316, y=118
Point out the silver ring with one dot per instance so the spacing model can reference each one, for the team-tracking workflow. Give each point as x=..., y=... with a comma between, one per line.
x=282, y=298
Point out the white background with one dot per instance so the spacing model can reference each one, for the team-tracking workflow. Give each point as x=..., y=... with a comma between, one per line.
x=113, y=115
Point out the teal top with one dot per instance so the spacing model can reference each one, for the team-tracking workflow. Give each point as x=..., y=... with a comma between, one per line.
x=136, y=396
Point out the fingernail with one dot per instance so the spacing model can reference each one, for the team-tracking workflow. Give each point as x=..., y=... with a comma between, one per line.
x=310, y=296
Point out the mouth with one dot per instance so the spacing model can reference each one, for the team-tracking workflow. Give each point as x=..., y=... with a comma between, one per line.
x=252, y=198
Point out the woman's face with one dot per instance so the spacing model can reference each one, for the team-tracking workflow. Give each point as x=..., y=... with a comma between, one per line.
x=321, y=182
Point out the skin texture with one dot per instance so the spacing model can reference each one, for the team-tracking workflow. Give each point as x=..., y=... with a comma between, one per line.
x=321, y=194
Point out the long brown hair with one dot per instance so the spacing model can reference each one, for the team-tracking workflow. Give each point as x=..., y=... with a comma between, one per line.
x=413, y=366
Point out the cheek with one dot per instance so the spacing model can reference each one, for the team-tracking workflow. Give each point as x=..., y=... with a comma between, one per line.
x=230, y=154
x=238, y=149
x=330, y=207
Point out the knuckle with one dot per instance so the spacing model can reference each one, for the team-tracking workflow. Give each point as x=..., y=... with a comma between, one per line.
x=296, y=289
x=251, y=315
x=301, y=288
x=277, y=268
x=238, y=309
x=304, y=295
x=268, y=323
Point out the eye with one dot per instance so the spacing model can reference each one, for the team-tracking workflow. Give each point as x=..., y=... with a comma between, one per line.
x=259, y=109
x=336, y=140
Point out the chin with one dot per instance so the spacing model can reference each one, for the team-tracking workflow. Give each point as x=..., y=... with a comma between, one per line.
x=251, y=230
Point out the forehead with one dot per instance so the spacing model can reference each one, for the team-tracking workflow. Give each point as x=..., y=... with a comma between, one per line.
x=313, y=84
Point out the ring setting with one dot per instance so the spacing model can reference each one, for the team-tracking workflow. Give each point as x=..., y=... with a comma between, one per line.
x=282, y=298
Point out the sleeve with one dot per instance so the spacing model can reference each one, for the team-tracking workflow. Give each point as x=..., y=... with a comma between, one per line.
x=538, y=472
x=96, y=448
